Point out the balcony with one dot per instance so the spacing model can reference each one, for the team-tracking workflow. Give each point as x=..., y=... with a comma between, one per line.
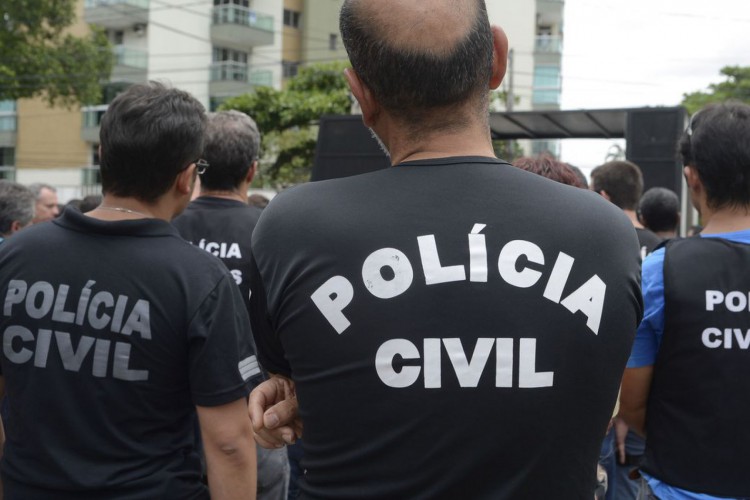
x=546, y=44
x=240, y=28
x=8, y=172
x=92, y=117
x=116, y=14
x=131, y=65
x=8, y=125
x=229, y=78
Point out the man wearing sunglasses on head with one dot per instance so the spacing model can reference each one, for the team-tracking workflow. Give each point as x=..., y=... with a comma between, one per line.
x=688, y=377
x=123, y=334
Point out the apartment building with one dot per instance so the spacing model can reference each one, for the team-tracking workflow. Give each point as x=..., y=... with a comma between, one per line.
x=535, y=33
x=217, y=49
x=214, y=49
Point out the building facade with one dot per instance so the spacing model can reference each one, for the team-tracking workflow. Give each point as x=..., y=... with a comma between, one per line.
x=217, y=49
x=534, y=77
x=214, y=49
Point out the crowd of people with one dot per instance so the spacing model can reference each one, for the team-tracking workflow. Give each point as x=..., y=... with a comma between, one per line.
x=545, y=336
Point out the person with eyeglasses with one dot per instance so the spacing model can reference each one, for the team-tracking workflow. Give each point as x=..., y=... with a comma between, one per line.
x=124, y=334
x=688, y=378
x=221, y=221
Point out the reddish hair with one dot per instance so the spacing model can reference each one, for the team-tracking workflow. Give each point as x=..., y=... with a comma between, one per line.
x=548, y=167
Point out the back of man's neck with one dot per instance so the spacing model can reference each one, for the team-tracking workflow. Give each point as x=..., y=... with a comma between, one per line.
x=237, y=194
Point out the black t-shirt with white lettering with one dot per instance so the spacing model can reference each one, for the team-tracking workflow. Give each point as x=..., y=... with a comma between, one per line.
x=113, y=332
x=223, y=228
x=456, y=328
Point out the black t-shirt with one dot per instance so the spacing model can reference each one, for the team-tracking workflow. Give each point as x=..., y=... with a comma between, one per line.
x=429, y=315
x=647, y=241
x=223, y=228
x=113, y=333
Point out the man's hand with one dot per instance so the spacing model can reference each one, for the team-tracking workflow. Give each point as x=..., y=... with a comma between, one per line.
x=273, y=410
x=621, y=431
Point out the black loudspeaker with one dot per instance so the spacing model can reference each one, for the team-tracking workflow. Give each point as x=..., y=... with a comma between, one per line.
x=346, y=147
x=652, y=136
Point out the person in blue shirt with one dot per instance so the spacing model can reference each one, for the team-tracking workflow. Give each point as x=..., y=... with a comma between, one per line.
x=691, y=356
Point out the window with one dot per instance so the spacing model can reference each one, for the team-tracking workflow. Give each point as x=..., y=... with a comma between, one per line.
x=222, y=55
x=333, y=41
x=547, y=85
x=7, y=162
x=289, y=69
x=7, y=157
x=241, y=3
x=229, y=64
x=291, y=18
x=7, y=116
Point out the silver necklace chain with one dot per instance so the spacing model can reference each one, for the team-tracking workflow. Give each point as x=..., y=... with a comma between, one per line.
x=125, y=210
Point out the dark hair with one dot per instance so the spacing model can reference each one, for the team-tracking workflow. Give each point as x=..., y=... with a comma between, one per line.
x=17, y=204
x=258, y=200
x=659, y=209
x=718, y=148
x=409, y=82
x=232, y=145
x=622, y=180
x=90, y=202
x=580, y=175
x=148, y=135
x=546, y=166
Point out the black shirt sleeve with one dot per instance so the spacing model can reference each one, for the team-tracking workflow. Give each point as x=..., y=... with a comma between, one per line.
x=221, y=349
x=270, y=350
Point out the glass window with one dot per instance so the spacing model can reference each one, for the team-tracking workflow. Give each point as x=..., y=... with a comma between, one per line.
x=291, y=18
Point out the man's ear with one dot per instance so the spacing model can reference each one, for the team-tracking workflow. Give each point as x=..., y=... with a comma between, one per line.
x=15, y=226
x=499, y=56
x=604, y=195
x=251, y=172
x=185, y=180
x=693, y=180
x=367, y=102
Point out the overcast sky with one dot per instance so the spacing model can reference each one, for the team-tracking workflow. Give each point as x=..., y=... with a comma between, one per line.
x=632, y=53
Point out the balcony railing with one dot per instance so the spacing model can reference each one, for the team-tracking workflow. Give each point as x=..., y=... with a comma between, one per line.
x=236, y=14
x=548, y=44
x=126, y=56
x=92, y=115
x=240, y=72
x=8, y=172
x=7, y=122
x=142, y=4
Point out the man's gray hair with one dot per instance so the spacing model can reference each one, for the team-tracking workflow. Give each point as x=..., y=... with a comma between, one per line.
x=17, y=203
x=232, y=145
x=37, y=187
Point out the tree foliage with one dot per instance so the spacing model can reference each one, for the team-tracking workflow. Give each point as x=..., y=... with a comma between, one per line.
x=38, y=57
x=287, y=119
x=736, y=86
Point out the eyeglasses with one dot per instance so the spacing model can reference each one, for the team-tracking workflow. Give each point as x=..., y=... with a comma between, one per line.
x=200, y=166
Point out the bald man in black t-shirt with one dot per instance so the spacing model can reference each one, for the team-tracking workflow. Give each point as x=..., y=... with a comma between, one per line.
x=441, y=353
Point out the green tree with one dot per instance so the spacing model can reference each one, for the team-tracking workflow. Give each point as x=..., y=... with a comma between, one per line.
x=288, y=119
x=736, y=86
x=38, y=57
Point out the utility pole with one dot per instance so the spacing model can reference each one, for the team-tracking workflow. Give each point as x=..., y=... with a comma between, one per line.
x=509, y=100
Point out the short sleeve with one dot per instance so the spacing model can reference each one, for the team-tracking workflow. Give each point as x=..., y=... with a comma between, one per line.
x=650, y=331
x=221, y=352
x=270, y=350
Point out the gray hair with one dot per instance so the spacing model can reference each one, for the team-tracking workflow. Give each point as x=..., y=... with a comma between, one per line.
x=37, y=187
x=232, y=145
x=17, y=203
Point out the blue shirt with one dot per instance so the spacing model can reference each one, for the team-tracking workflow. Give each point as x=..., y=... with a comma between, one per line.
x=648, y=339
